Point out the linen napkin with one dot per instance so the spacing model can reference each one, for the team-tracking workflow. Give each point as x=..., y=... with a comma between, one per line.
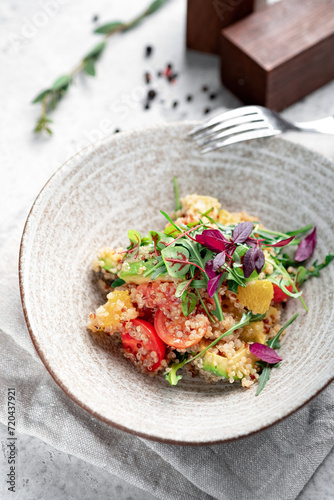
x=274, y=464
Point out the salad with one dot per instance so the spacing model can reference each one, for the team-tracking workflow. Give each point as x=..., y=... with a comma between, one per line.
x=204, y=295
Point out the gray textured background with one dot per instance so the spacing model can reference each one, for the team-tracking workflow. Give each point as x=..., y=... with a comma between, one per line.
x=34, y=49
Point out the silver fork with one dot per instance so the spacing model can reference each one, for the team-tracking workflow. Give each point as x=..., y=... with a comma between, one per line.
x=251, y=122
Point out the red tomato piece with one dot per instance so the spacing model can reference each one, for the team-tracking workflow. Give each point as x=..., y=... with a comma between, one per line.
x=279, y=295
x=141, y=341
x=160, y=295
x=175, y=333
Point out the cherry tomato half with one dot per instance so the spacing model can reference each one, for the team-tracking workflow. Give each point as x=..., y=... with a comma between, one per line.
x=279, y=295
x=160, y=295
x=175, y=333
x=141, y=340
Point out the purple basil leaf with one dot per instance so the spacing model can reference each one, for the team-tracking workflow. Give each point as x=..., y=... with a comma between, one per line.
x=242, y=231
x=229, y=249
x=213, y=284
x=219, y=261
x=212, y=239
x=209, y=269
x=249, y=262
x=251, y=242
x=259, y=259
x=265, y=353
x=282, y=243
x=306, y=246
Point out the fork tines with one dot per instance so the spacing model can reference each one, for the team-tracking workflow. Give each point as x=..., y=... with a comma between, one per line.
x=241, y=124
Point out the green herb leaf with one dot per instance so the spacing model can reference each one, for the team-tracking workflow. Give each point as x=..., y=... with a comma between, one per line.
x=263, y=379
x=300, y=231
x=171, y=376
x=159, y=265
x=42, y=125
x=108, y=28
x=133, y=24
x=204, y=307
x=157, y=272
x=41, y=96
x=134, y=237
x=157, y=4
x=96, y=51
x=55, y=97
x=274, y=342
x=301, y=275
x=89, y=67
x=171, y=221
x=146, y=240
x=233, y=275
x=176, y=259
x=233, y=286
x=257, y=317
x=199, y=284
x=314, y=271
x=188, y=303
x=117, y=282
x=285, y=260
x=62, y=83
x=161, y=239
x=171, y=231
x=281, y=269
x=181, y=287
x=282, y=286
x=206, y=214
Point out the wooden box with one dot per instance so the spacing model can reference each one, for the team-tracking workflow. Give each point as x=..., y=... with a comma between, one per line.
x=281, y=53
x=206, y=18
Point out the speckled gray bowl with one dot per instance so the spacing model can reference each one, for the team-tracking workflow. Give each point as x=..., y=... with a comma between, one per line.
x=123, y=182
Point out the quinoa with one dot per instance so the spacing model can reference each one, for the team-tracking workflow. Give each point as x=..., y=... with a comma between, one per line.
x=137, y=307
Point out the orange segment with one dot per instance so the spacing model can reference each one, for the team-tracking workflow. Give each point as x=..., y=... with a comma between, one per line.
x=256, y=296
x=117, y=308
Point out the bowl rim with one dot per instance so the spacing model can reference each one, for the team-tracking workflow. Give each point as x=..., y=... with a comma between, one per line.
x=21, y=268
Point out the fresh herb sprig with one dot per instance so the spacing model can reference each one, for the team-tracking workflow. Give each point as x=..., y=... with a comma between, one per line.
x=272, y=344
x=304, y=274
x=50, y=97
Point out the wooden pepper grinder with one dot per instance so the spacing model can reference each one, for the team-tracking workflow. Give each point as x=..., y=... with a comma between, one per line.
x=206, y=19
x=279, y=54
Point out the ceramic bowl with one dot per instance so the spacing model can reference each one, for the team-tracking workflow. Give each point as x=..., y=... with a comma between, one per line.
x=123, y=182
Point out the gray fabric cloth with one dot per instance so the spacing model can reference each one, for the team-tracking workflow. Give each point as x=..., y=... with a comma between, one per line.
x=273, y=464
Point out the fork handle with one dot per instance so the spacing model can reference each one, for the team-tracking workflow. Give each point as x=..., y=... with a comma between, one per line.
x=322, y=126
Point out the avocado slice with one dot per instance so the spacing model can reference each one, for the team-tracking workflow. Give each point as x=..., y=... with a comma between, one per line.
x=254, y=332
x=130, y=271
x=218, y=365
